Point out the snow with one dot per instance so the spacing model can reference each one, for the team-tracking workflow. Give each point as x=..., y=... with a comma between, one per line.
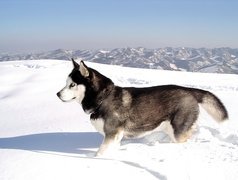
x=43, y=138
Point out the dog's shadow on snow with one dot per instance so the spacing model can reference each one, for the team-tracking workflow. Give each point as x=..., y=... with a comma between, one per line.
x=62, y=142
x=67, y=142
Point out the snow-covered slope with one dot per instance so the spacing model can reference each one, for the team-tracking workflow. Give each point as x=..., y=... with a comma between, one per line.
x=43, y=138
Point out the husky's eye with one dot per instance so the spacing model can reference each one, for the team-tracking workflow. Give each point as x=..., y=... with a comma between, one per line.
x=72, y=85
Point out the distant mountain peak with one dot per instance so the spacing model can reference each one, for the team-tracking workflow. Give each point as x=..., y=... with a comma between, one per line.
x=217, y=60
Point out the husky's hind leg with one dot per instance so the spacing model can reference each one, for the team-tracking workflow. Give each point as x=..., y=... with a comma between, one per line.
x=183, y=122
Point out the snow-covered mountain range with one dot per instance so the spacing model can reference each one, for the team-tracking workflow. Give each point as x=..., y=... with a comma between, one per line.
x=218, y=60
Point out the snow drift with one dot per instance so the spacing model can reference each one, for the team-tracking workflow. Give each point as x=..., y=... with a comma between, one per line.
x=43, y=138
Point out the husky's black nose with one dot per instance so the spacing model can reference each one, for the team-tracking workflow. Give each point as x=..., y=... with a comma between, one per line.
x=58, y=94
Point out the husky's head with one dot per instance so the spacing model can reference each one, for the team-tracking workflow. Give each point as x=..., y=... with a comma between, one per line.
x=75, y=84
x=85, y=83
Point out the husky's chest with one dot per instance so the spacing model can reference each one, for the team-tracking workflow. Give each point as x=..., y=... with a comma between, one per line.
x=98, y=125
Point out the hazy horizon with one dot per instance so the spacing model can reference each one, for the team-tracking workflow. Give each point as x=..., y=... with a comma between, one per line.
x=41, y=25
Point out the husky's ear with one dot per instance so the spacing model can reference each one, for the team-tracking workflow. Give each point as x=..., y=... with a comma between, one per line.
x=83, y=69
x=76, y=65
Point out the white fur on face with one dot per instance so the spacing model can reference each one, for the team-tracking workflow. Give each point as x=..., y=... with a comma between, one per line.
x=72, y=91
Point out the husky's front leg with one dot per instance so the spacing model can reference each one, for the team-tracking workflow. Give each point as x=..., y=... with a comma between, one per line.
x=111, y=142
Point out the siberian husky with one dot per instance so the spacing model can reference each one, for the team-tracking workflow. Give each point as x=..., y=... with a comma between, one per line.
x=129, y=112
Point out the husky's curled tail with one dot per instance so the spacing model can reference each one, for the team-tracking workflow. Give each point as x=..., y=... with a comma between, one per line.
x=211, y=103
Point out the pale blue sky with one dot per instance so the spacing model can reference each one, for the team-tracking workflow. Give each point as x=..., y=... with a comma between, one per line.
x=39, y=25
